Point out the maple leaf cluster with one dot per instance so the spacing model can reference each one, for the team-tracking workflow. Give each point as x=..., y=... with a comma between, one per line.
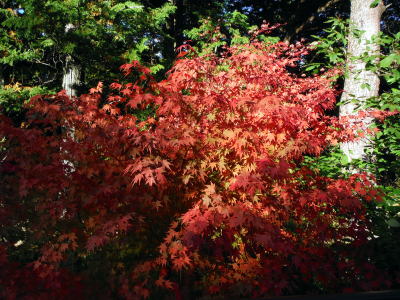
x=210, y=186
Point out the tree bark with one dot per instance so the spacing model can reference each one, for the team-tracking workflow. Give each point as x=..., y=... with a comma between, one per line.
x=70, y=83
x=72, y=71
x=360, y=83
x=71, y=76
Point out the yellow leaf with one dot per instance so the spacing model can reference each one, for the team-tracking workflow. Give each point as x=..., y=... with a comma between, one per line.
x=229, y=133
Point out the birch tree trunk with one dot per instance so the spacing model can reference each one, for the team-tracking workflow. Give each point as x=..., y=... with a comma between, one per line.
x=70, y=82
x=72, y=71
x=71, y=76
x=360, y=84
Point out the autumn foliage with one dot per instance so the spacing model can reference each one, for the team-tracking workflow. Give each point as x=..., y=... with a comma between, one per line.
x=207, y=195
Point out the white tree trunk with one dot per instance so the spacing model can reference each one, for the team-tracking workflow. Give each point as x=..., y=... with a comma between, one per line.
x=71, y=77
x=72, y=71
x=70, y=81
x=360, y=84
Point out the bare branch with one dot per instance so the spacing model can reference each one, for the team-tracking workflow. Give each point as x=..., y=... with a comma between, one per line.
x=45, y=64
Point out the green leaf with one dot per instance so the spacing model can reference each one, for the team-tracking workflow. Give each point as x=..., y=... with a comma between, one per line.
x=374, y=4
x=387, y=61
x=366, y=86
x=312, y=67
x=47, y=43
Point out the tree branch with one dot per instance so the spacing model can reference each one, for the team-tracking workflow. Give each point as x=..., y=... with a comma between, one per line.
x=310, y=19
x=44, y=64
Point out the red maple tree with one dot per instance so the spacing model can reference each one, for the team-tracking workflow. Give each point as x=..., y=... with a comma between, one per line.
x=207, y=195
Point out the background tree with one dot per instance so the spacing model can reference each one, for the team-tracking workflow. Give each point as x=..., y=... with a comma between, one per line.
x=361, y=84
x=41, y=37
